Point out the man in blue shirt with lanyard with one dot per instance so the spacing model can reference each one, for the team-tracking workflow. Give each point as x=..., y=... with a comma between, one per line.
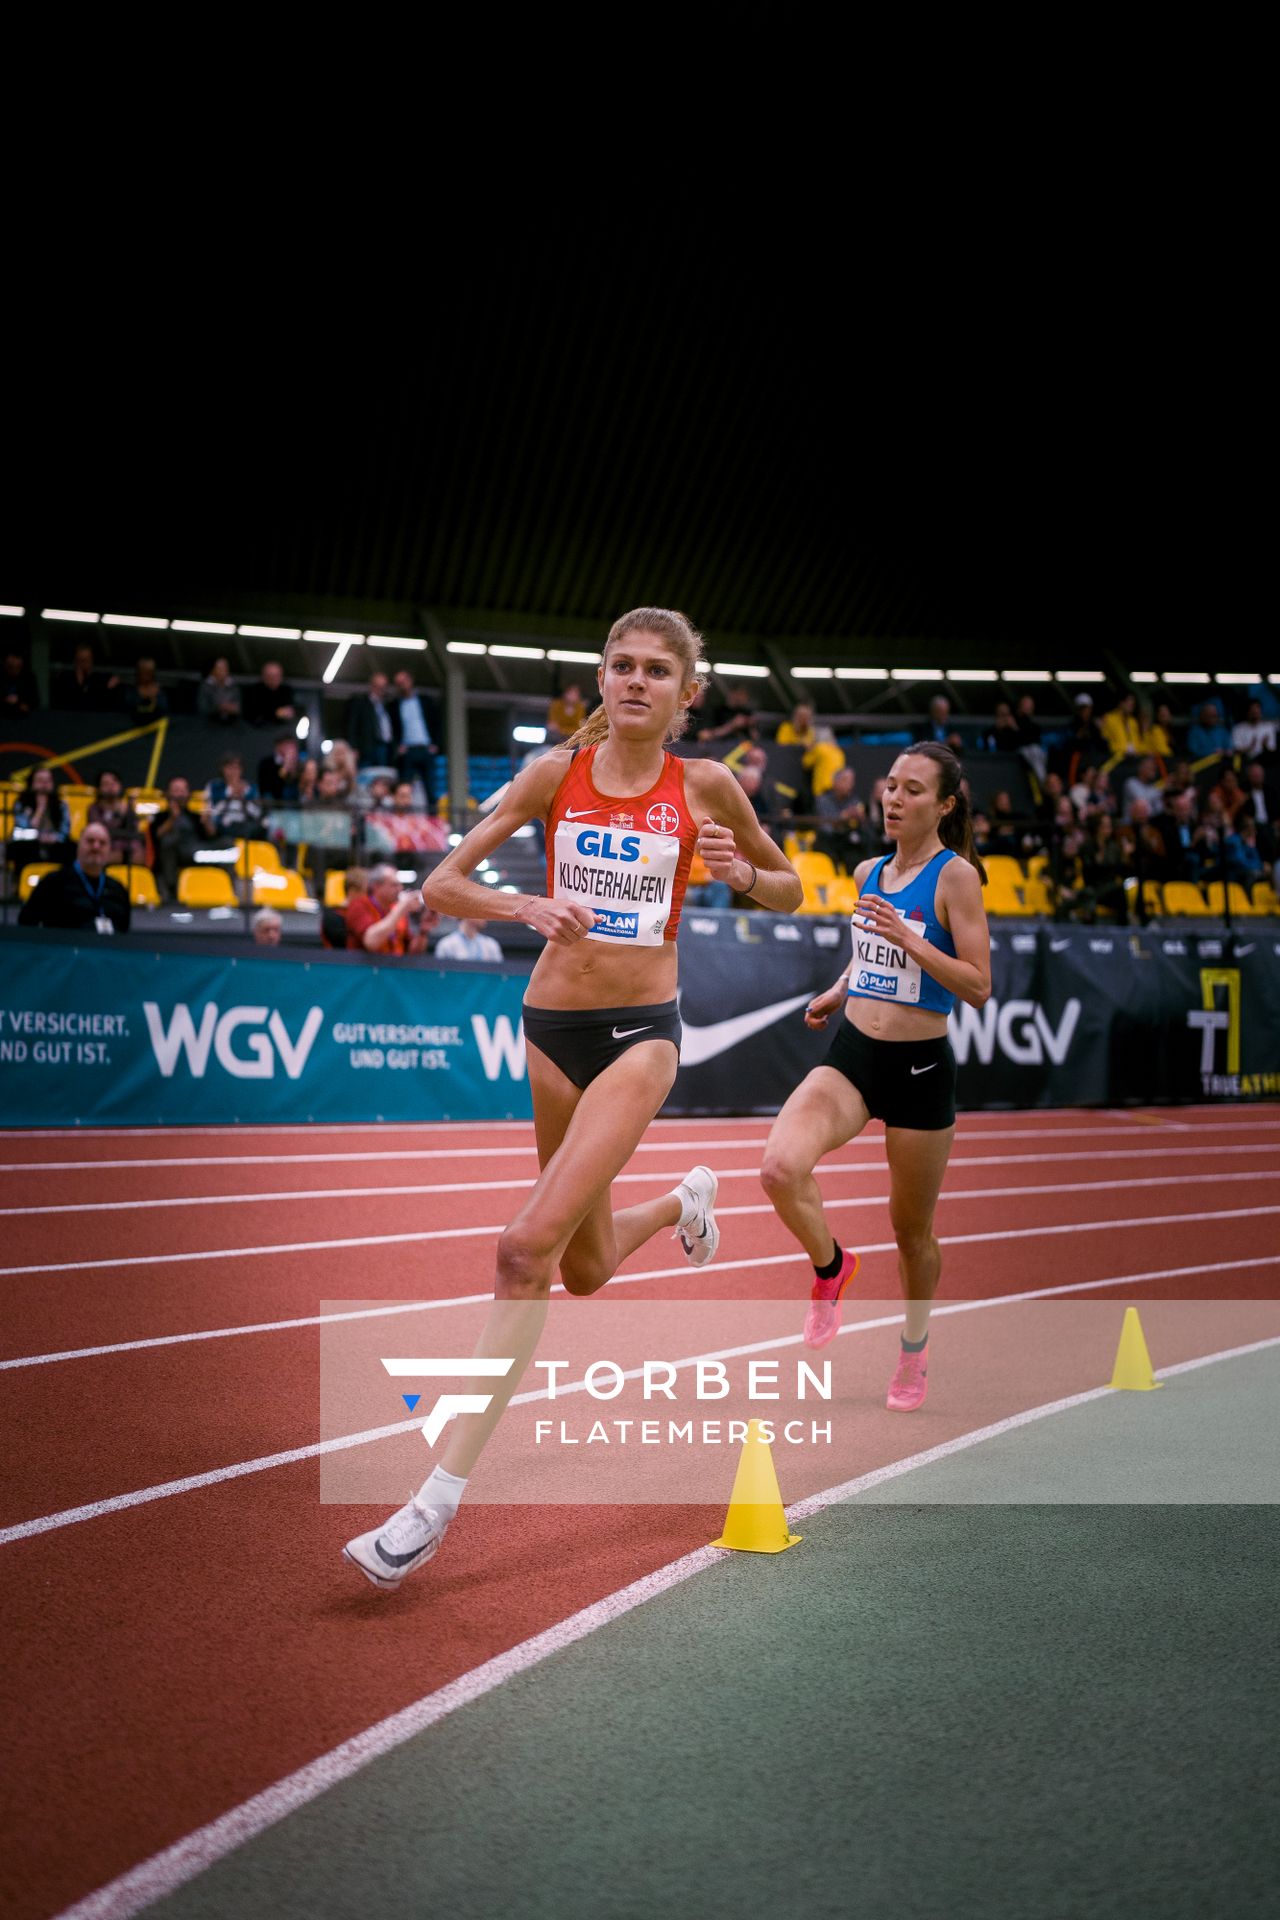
x=415, y=749
x=82, y=895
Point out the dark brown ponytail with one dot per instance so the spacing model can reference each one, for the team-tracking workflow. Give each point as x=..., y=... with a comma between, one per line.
x=955, y=828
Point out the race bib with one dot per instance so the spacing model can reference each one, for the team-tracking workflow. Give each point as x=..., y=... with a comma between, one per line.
x=626, y=878
x=880, y=967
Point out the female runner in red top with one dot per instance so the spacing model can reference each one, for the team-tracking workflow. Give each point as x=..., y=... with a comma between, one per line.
x=602, y=1034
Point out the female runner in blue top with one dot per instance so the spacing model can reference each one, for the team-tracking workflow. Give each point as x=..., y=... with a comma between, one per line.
x=920, y=941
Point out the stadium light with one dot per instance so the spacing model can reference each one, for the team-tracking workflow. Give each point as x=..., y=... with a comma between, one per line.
x=216, y=856
x=529, y=736
x=66, y=613
x=915, y=673
x=464, y=646
x=406, y=874
x=571, y=653
x=702, y=666
x=1237, y=679
x=390, y=640
x=1025, y=673
x=326, y=746
x=12, y=613
x=741, y=670
x=203, y=626
x=491, y=878
x=319, y=633
x=505, y=652
x=132, y=620
x=1086, y=673
x=303, y=727
x=809, y=673
x=862, y=673
x=972, y=673
x=340, y=653
x=1145, y=679
x=1186, y=679
x=525, y=832
x=270, y=633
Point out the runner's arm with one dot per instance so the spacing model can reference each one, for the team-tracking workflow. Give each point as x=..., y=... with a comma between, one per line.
x=449, y=888
x=748, y=859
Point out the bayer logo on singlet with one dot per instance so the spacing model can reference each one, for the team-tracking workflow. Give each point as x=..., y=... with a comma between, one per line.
x=662, y=819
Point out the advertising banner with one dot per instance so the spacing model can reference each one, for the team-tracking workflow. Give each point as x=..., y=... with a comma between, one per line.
x=1077, y=1017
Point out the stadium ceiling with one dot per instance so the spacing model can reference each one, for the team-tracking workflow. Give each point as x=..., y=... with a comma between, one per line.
x=538, y=463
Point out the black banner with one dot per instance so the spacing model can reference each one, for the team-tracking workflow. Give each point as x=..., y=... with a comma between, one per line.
x=1077, y=1017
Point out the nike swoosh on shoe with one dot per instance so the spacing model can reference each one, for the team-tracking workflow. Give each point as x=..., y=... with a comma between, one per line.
x=400, y=1559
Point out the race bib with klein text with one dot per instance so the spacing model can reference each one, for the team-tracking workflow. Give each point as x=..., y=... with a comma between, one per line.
x=881, y=968
x=626, y=878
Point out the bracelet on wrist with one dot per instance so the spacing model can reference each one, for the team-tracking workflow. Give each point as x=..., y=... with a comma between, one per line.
x=747, y=892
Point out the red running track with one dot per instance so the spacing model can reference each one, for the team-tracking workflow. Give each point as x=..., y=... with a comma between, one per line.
x=175, y=1656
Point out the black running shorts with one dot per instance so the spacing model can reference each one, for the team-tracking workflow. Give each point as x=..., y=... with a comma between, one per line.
x=905, y=1083
x=583, y=1041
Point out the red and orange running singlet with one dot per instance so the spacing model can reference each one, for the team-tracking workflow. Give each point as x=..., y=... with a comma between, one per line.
x=627, y=859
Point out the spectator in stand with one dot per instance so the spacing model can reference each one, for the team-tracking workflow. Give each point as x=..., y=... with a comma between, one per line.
x=124, y=830
x=270, y=700
x=981, y=835
x=1104, y=861
x=1157, y=733
x=1121, y=728
x=371, y=724
x=873, y=831
x=1244, y=861
x=1029, y=737
x=468, y=941
x=1260, y=804
x=1176, y=825
x=1083, y=745
x=1180, y=777
x=1208, y=736
x=1143, y=843
x=798, y=731
x=145, y=700
x=18, y=692
x=565, y=715
x=82, y=895
x=1254, y=735
x=379, y=921
x=234, y=810
x=326, y=826
x=1206, y=847
x=377, y=796
x=267, y=927
x=219, y=696
x=41, y=823
x=751, y=780
x=82, y=689
x=1229, y=796
x=281, y=775
x=1084, y=793
x=341, y=758
x=939, y=725
x=1143, y=785
x=1004, y=735
x=416, y=729
x=175, y=835
x=1004, y=826
x=404, y=827
x=841, y=817
x=740, y=720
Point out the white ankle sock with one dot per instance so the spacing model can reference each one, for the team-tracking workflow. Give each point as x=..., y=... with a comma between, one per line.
x=441, y=1490
x=688, y=1205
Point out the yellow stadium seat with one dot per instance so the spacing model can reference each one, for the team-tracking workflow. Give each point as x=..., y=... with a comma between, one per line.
x=815, y=869
x=262, y=854
x=77, y=812
x=842, y=895
x=1181, y=897
x=999, y=897
x=1240, y=901
x=140, y=884
x=1265, y=899
x=205, y=887
x=335, y=888
x=815, y=900
x=33, y=875
x=1036, y=865
x=280, y=890
x=1003, y=866
x=1036, y=895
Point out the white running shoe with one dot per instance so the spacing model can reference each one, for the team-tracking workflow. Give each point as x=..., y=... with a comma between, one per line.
x=407, y=1540
x=700, y=1236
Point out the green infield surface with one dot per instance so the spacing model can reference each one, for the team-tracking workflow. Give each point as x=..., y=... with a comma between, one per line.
x=1034, y=1677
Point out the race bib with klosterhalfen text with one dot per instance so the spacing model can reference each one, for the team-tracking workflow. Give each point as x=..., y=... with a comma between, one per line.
x=880, y=967
x=626, y=879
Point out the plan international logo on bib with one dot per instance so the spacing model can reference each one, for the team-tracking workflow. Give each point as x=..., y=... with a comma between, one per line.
x=618, y=926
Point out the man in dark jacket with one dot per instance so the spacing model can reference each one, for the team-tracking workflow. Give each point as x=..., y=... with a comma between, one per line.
x=82, y=895
x=371, y=724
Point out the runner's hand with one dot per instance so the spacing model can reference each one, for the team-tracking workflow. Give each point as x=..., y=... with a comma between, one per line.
x=559, y=921
x=823, y=1005
x=716, y=848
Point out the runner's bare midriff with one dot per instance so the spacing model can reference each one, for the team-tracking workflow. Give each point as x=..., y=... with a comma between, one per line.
x=591, y=975
x=894, y=1023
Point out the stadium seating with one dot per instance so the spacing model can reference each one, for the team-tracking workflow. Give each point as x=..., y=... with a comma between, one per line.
x=1181, y=897
x=261, y=855
x=335, y=888
x=139, y=883
x=283, y=891
x=32, y=875
x=205, y=887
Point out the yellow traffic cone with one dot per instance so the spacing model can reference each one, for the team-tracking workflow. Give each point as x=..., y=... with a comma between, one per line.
x=755, y=1522
x=1133, y=1370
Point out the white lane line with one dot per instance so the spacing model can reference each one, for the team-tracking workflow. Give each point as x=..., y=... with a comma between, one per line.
x=249, y=1196
x=196, y=1852
x=341, y=1443
x=964, y=1134
x=618, y=1280
x=865, y=1200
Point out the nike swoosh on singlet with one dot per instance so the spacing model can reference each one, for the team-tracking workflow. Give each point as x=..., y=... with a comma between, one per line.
x=627, y=1032
x=704, y=1043
x=580, y=813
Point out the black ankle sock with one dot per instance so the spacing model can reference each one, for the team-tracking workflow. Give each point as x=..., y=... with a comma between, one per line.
x=832, y=1267
x=915, y=1346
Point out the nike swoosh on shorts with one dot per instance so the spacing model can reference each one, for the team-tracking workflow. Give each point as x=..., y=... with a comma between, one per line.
x=929, y=1069
x=704, y=1043
x=627, y=1032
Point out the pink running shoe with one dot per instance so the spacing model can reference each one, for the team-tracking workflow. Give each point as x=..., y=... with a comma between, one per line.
x=910, y=1383
x=822, y=1322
